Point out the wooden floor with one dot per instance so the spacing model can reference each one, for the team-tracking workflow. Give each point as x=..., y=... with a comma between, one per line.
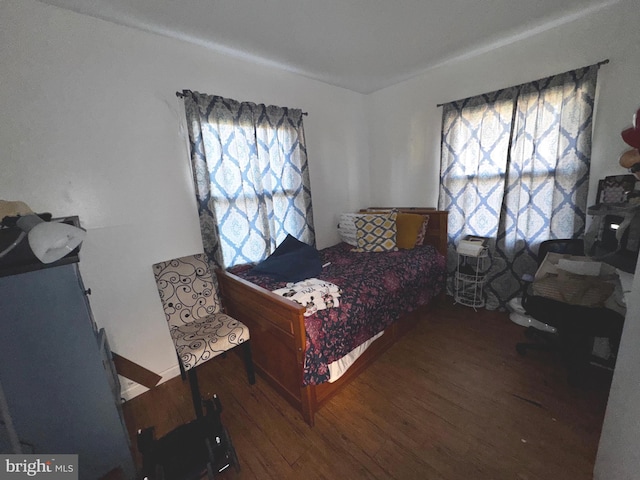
x=451, y=400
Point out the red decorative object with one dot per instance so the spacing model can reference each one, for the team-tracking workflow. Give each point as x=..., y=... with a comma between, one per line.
x=632, y=135
x=631, y=158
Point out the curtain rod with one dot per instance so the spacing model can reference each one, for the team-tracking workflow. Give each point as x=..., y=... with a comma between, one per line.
x=600, y=63
x=182, y=95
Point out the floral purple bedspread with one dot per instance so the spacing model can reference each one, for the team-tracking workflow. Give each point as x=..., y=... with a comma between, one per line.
x=376, y=290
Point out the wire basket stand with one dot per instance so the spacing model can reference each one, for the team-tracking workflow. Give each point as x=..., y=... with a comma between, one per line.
x=470, y=277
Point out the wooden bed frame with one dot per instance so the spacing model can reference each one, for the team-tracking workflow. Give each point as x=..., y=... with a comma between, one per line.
x=278, y=330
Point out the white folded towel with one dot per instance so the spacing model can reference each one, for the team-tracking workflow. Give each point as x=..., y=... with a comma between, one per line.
x=470, y=248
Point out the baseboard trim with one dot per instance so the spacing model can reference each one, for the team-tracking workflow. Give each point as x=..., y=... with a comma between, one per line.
x=131, y=389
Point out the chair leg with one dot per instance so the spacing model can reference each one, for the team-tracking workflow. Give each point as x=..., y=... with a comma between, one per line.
x=195, y=391
x=248, y=362
x=578, y=352
x=183, y=373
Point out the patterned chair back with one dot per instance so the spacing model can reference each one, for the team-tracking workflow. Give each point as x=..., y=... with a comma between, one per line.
x=187, y=289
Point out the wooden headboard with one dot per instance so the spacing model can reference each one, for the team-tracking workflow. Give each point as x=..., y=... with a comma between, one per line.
x=438, y=222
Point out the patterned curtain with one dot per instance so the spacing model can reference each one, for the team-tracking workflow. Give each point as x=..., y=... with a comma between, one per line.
x=251, y=177
x=515, y=168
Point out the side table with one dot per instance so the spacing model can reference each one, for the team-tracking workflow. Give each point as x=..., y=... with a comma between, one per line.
x=471, y=273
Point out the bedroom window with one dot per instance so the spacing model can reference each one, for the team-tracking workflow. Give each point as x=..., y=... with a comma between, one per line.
x=251, y=176
x=515, y=168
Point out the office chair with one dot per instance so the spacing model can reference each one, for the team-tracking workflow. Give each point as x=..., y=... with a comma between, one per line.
x=576, y=325
x=200, y=330
x=545, y=341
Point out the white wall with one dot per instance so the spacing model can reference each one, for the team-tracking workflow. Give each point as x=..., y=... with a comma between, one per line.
x=405, y=125
x=405, y=148
x=618, y=453
x=90, y=126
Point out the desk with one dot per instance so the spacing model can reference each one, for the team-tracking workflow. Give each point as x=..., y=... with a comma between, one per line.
x=603, y=290
x=579, y=311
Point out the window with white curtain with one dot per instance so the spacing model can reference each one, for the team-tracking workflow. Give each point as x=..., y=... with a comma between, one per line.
x=515, y=168
x=251, y=176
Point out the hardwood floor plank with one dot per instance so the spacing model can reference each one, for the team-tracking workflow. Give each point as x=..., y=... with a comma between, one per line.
x=451, y=400
x=402, y=464
x=352, y=439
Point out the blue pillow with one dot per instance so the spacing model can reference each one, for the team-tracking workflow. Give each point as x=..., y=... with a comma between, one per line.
x=292, y=261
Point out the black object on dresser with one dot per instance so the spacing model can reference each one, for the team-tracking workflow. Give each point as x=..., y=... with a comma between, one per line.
x=56, y=370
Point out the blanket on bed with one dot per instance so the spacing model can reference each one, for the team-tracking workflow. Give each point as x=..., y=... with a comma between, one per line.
x=376, y=290
x=313, y=293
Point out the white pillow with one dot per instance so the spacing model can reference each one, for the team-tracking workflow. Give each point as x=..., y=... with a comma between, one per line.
x=347, y=228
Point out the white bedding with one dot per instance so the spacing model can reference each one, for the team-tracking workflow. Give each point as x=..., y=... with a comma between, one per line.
x=340, y=366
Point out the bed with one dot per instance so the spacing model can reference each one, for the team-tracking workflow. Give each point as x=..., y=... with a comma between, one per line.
x=285, y=343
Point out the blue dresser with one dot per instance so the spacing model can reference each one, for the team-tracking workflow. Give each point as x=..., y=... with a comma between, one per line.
x=60, y=385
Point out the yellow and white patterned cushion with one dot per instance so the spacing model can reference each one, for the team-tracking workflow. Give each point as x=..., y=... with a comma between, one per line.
x=376, y=232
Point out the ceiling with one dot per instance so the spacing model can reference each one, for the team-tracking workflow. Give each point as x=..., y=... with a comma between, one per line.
x=361, y=45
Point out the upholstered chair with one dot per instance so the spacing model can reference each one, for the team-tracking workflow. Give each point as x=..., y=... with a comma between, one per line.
x=199, y=328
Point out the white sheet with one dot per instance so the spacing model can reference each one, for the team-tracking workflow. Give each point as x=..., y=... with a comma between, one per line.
x=340, y=366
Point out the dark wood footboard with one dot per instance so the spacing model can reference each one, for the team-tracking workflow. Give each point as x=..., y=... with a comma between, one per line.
x=276, y=325
x=277, y=330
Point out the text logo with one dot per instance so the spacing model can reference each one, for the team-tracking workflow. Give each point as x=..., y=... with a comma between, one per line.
x=50, y=467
